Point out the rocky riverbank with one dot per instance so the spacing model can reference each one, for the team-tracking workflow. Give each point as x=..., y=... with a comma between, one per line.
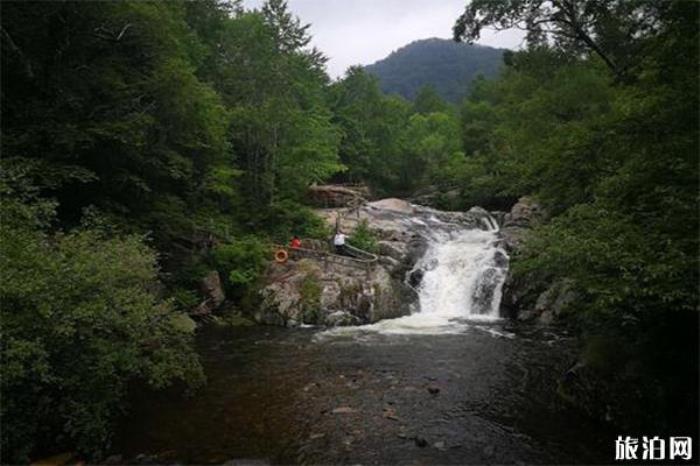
x=314, y=291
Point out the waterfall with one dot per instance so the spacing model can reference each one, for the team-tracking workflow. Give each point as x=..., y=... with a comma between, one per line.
x=462, y=275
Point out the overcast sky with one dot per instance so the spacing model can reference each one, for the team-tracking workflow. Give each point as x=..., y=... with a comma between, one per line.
x=352, y=32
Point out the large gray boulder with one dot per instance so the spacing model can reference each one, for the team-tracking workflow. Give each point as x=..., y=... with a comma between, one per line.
x=524, y=215
x=306, y=292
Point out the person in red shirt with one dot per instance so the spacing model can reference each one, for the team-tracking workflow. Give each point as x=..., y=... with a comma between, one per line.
x=295, y=243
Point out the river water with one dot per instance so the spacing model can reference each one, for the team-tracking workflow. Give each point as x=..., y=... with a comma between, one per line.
x=450, y=384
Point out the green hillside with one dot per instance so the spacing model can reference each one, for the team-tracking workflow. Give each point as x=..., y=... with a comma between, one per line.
x=446, y=65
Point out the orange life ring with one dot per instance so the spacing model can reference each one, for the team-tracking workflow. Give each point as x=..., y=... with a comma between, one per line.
x=281, y=256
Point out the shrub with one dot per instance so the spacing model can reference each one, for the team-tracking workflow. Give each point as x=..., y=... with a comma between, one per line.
x=79, y=320
x=287, y=218
x=241, y=262
x=310, y=291
x=364, y=238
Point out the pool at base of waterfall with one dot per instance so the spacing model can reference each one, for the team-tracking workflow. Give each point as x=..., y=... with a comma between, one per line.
x=487, y=394
x=452, y=383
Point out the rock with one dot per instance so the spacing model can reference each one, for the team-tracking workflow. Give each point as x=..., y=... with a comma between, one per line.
x=343, y=410
x=526, y=315
x=499, y=216
x=554, y=301
x=390, y=413
x=525, y=213
x=420, y=442
x=390, y=263
x=393, y=249
x=546, y=318
x=415, y=278
x=336, y=195
x=213, y=292
x=519, y=295
x=114, y=459
x=340, y=318
x=440, y=445
x=394, y=204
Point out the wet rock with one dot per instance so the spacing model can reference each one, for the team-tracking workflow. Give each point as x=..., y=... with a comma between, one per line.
x=340, y=318
x=415, y=278
x=500, y=260
x=420, y=442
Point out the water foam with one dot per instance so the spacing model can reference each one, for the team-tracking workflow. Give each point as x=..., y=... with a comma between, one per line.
x=463, y=275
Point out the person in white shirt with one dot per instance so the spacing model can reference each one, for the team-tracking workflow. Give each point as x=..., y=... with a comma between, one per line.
x=339, y=242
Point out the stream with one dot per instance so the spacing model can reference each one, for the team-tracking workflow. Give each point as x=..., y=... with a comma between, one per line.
x=450, y=384
x=487, y=395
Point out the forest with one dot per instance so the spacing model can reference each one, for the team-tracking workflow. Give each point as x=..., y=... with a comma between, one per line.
x=137, y=134
x=448, y=66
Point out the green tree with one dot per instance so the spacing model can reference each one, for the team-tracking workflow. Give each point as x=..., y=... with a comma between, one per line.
x=428, y=101
x=80, y=319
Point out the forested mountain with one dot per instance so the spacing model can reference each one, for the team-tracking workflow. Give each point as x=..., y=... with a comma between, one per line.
x=446, y=65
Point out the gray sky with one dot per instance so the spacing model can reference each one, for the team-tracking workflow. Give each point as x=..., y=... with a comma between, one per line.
x=352, y=32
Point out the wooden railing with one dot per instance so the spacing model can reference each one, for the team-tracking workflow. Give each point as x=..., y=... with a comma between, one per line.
x=320, y=250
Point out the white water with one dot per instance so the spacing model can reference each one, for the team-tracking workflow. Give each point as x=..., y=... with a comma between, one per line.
x=462, y=283
x=464, y=271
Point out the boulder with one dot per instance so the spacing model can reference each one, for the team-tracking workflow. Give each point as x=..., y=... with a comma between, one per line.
x=525, y=213
x=393, y=204
x=554, y=301
x=213, y=293
x=335, y=294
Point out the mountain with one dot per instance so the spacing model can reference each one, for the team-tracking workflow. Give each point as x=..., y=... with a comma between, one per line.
x=446, y=65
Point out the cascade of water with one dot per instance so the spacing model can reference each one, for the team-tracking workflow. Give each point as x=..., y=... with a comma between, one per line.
x=462, y=280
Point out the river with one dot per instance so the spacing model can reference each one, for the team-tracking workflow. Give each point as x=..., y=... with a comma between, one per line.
x=450, y=384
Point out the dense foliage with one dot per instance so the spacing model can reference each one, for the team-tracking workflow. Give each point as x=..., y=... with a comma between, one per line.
x=394, y=146
x=80, y=318
x=138, y=136
x=605, y=133
x=448, y=66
